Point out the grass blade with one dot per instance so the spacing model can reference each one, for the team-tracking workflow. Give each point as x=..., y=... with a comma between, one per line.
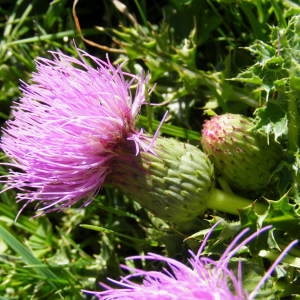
x=27, y=256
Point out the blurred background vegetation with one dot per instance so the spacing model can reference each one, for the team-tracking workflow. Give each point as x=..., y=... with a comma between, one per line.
x=204, y=57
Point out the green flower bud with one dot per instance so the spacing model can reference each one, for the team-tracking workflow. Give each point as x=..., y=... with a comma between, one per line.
x=173, y=183
x=245, y=158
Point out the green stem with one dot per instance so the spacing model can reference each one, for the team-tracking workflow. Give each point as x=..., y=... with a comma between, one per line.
x=283, y=221
x=46, y=37
x=231, y=203
x=292, y=124
x=293, y=133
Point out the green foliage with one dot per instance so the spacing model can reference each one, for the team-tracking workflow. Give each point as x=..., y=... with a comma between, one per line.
x=204, y=58
x=57, y=255
x=274, y=77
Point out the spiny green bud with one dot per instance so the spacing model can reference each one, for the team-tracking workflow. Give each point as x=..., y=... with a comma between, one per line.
x=176, y=183
x=173, y=183
x=245, y=158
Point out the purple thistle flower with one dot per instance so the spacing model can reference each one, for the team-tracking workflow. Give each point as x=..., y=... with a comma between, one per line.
x=65, y=128
x=205, y=278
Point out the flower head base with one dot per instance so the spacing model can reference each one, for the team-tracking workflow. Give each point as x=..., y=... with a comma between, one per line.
x=204, y=279
x=65, y=128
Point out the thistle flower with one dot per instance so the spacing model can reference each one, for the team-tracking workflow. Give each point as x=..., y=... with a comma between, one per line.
x=205, y=278
x=73, y=130
x=65, y=128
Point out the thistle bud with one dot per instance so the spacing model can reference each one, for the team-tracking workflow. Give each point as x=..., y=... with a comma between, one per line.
x=173, y=183
x=245, y=158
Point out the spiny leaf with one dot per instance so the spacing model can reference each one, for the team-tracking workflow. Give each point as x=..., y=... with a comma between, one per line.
x=272, y=119
x=281, y=215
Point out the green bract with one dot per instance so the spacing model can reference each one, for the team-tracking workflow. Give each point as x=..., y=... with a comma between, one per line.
x=173, y=183
x=245, y=158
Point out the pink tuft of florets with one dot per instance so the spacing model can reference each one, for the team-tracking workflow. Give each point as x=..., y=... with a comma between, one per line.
x=66, y=126
x=205, y=278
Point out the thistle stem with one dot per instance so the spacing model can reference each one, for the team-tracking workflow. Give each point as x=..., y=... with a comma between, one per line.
x=292, y=124
x=231, y=203
x=293, y=134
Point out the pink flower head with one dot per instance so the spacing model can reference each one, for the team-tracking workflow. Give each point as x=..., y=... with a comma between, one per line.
x=65, y=128
x=205, y=278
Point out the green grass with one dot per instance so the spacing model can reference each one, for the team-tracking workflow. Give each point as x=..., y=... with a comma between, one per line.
x=204, y=58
